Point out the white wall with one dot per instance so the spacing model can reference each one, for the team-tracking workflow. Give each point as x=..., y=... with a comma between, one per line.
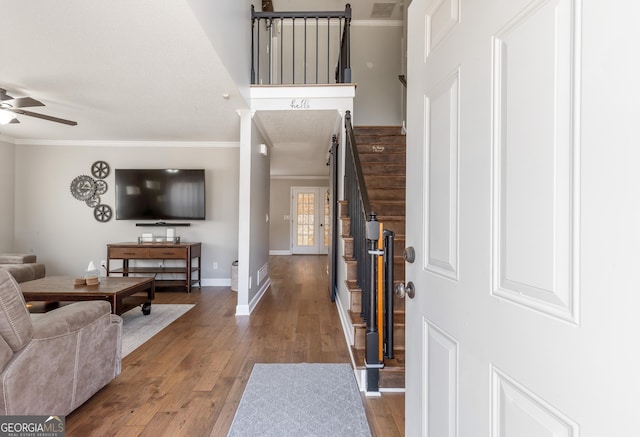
x=62, y=231
x=376, y=62
x=259, y=234
x=226, y=21
x=253, y=227
x=7, y=151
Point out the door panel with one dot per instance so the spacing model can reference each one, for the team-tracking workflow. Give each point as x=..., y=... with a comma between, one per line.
x=534, y=169
x=441, y=378
x=441, y=216
x=523, y=414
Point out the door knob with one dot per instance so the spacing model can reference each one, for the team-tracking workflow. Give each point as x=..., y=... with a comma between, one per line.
x=409, y=254
x=402, y=290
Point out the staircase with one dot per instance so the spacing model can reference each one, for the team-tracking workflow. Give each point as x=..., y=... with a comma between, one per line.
x=382, y=155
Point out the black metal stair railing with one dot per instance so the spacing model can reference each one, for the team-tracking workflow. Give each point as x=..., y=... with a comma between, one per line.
x=374, y=258
x=290, y=48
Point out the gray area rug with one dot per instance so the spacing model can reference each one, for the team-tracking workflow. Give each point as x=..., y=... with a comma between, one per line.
x=300, y=400
x=138, y=328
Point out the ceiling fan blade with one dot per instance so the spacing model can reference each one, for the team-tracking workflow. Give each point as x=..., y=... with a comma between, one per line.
x=23, y=102
x=45, y=117
x=4, y=95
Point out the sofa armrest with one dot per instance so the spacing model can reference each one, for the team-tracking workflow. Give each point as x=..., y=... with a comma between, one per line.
x=17, y=258
x=70, y=318
x=74, y=352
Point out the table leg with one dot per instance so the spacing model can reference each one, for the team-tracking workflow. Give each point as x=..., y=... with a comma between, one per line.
x=116, y=304
x=151, y=294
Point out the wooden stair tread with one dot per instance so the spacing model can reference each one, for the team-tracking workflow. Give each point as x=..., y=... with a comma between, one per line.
x=356, y=320
x=395, y=218
x=373, y=129
x=395, y=363
x=353, y=286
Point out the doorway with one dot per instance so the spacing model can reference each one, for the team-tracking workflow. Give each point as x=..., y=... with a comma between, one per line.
x=310, y=220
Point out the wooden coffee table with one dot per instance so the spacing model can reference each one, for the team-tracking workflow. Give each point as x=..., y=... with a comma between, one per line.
x=137, y=290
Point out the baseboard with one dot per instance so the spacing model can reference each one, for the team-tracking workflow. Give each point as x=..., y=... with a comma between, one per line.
x=245, y=310
x=256, y=299
x=216, y=282
x=242, y=310
x=345, y=321
x=279, y=252
x=347, y=330
x=392, y=390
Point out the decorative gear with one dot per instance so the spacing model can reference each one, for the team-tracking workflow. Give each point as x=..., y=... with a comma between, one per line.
x=93, y=202
x=102, y=213
x=101, y=186
x=100, y=169
x=83, y=187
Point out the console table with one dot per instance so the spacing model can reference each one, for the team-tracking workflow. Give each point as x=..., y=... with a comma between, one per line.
x=158, y=252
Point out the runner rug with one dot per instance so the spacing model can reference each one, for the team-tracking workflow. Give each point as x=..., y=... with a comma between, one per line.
x=300, y=400
x=138, y=328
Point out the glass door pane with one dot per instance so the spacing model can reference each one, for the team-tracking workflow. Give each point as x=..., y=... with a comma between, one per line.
x=305, y=231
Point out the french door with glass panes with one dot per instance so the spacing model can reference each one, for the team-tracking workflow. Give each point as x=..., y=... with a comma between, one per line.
x=309, y=220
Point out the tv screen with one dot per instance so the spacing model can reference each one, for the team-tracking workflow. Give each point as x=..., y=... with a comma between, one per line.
x=160, y=194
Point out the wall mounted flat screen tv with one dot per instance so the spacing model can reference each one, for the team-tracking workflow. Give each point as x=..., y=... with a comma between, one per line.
x=160, y=194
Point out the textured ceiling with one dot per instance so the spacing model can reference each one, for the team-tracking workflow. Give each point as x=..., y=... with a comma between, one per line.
x=118, y=68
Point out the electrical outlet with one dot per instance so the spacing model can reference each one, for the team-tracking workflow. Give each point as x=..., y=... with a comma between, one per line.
x=103, y=264
x=215, y=266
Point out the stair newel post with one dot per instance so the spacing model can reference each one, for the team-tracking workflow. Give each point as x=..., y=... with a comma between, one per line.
x=372, y=352
x=346, y=47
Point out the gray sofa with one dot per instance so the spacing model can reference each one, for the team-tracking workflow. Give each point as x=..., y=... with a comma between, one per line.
x=53, y=363
x=23, y=267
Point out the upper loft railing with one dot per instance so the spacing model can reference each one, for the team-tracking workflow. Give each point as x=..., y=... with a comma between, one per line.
x=300, y=47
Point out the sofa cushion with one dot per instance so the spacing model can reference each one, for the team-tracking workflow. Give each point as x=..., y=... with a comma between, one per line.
x=15, y=321
x=25, y=272
x=20, y=272
x=17, y=258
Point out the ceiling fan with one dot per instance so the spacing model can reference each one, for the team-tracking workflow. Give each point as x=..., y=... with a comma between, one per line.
x=10, y=107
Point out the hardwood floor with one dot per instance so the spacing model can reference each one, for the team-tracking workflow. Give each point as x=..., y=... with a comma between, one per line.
x=189, y=379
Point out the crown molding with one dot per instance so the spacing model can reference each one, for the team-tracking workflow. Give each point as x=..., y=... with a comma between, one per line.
x=299, y=177
x=107, y=143
x=6, y=139
x=377, y=23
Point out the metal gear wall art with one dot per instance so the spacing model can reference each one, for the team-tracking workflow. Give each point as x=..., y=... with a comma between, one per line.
x=83, y=187
x=93, y=202
x=101, y=186
x=89, y=190
x=102, y=213
x=100, y=169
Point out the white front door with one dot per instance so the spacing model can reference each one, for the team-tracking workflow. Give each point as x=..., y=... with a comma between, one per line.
x=309, y=211
x=523, y=192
